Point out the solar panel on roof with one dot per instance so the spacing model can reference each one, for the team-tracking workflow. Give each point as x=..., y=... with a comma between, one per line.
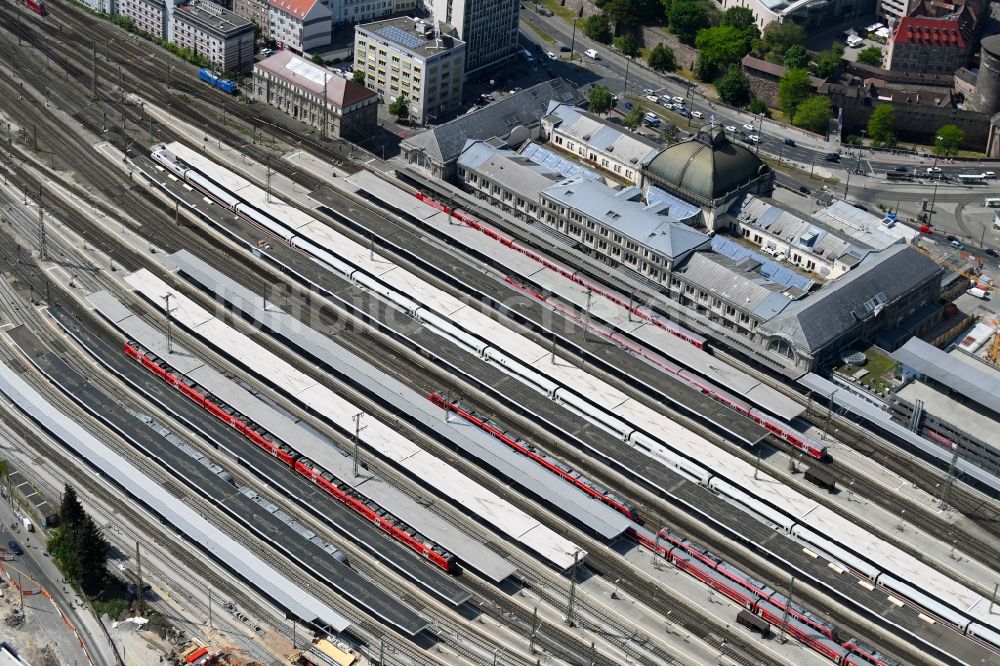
x=399, y=36
x=556, y=162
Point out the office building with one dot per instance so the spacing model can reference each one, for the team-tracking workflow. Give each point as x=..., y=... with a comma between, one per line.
x=216, y=33
x=299, y=87
x=488, y=27
x=409, y=58
x=149, y=16
x=300, y=25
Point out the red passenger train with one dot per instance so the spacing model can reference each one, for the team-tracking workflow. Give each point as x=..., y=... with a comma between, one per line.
x=37, y=6
x=340, y=491
x=551, y=464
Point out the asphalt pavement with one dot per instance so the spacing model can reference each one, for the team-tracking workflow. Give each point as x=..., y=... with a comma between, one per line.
x=36, y=564
x=610, y=70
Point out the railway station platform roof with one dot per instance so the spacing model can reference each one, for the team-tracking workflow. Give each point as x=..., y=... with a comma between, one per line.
x=968, y=377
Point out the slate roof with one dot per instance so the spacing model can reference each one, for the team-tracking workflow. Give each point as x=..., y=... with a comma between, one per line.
x=588, y=129
x=974, y=380
x=839, y=305
x=514, y=172
x=736, y=282
x=624, y=211
x=445, y=143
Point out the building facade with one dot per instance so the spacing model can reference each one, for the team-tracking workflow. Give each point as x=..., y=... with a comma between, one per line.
x=614, y=152
x=300, y=25
x=488, y=28
x=505, y=179
x=924, y=44
x=149, y=16
x=299, y=87
x=404, y=57
x=216, y=33
x=256, y=11
x=813, y=15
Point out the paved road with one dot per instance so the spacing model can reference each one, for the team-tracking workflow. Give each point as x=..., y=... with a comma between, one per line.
x=610, y=71
x=40, y=568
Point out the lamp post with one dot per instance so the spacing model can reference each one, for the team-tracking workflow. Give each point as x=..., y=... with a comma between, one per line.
x=572, y=42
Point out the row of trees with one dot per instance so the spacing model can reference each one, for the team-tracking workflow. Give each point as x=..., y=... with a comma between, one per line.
x=79, y=546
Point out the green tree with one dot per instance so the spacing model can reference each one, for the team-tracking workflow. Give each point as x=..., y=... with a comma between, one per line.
x=634, y=117
x=758, y=107
x=400, y=108
x=793, y=89
x=882, y=125
x=600, y=99
x=733, y=87
x=721, y=47
x=71, y=513
x=813, y=114
x=740, y=18
x=705, y=70
x=661, y=59
x=828, y=64
x=317, y=59
x=628, y=45
x=777, y=38
x=686, y=18
x=79, y=546
x=948, y=140
x=597, y=28
x=358, y=77
x=796, y=57
x=870, y=56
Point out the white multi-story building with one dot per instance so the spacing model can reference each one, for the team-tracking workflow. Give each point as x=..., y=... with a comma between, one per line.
x=406, y=57
x=488, y=28
x=149, y=16
x=300, y=25
x=216, y=33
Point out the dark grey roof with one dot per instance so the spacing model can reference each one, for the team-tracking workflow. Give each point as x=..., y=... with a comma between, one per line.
x=444, y=143
x=838, y=306
x=705, y=167
x=979, y=384
x=737, y=282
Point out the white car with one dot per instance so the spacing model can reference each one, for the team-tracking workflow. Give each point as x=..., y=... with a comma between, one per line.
x=753, y=138
x=667, y=105
x=678, y=100
x=648, y=91
x=550, y=55
x=731, y=129
x=748, y=127
x=696, y=114
x=934, y=169
x=653, y=98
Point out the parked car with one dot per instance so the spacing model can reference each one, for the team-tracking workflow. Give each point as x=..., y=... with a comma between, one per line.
x=550, y=55
x=678, y=100
x=651, y=119
x=804, y=190
x=543, y=10
x=15, y=547
x=952, y=238
x=628, y=106
x=653, y=98
x=993, y=253
x=789, y=142
x=683, y=113
x=648, y=91
x=958, y=244
x=696, y=114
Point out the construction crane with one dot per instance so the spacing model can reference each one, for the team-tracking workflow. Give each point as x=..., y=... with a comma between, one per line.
x=944, y=261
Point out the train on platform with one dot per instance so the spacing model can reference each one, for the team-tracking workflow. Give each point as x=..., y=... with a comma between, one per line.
x=591, y=488
x=775, y=426
x=37, y=6
x=303, y=466
x=804, y=530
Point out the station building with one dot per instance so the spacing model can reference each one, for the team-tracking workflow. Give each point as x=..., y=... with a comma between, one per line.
x=413, y=59
x=597, y=143
x=315, y=95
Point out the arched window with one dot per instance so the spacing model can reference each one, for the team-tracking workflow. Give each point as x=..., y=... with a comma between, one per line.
x=781, y=346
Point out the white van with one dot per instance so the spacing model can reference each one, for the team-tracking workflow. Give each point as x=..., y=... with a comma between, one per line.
x=591, y=53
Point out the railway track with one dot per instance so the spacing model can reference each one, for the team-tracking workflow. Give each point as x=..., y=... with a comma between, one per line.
x=230, y=134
